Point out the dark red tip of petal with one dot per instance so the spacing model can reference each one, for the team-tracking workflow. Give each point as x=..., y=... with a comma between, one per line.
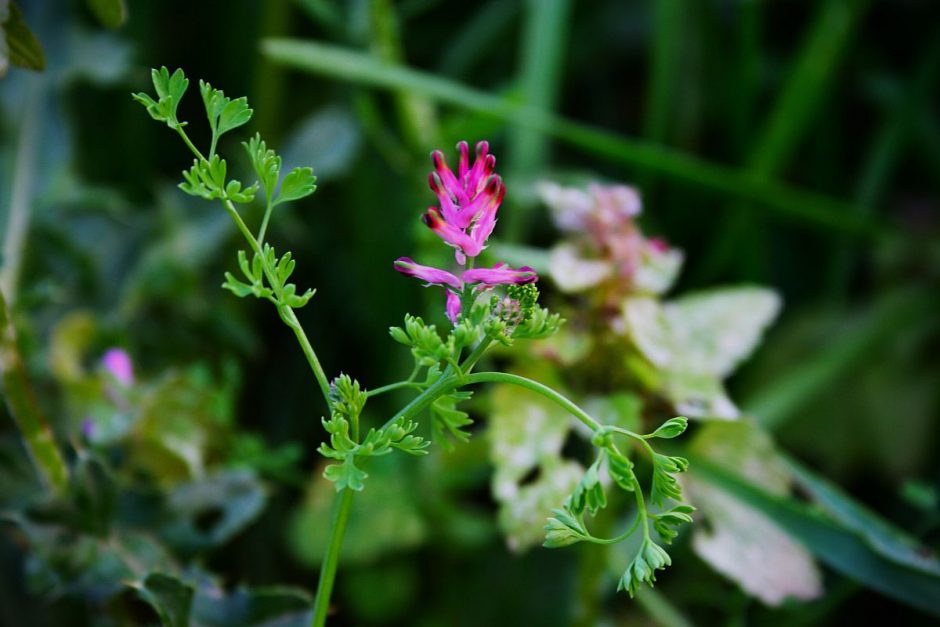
x=432, y=218
x=522, y=280
x=435, y=183
x=492, y=184
x=482, y=147
x=489, y=164
x=500, y=193
x=437, y=157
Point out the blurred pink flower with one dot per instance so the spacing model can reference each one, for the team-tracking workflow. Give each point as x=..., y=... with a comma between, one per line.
x=118, y=363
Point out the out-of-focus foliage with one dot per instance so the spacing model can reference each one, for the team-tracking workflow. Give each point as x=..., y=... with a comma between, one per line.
x=787, y=145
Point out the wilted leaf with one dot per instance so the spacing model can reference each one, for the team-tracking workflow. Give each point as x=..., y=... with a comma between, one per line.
x=526, y=435
x=523, y=517
x=574, y=273
x=698, y=340
x=713, y=331
x=741, y=542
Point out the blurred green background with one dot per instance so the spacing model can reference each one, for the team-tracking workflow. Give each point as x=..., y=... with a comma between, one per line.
x=790, y=144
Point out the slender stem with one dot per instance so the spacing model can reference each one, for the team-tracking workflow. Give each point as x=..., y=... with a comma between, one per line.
x=442, y=386
x=475, y=355
x=309, y=353
x=215, y=140
x=186, y=140
x=328, y=568
x=287, y=314
x=392, y=386
x=538, y=388
x=264, y=221
x=638, y=493
x=623, y=536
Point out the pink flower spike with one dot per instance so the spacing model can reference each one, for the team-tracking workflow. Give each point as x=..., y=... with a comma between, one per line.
x=500, y=274
x=451, y=234
x=117, y=362
x=483, y=166
x=450, y=182
x=462, y=168
x=487, y=220
x=453, y=306
x=433, y=276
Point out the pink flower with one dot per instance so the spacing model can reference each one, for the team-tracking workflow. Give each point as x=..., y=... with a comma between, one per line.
x=500, y=274
x=479, y=278
x=433, y=276
x=118, y=363
x=468, y=200
x=465, y=219
x=453, y=306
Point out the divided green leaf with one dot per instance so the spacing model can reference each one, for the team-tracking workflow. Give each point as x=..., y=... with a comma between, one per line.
x=665, y=485
x=447, y=420
x=563, y=529
x=650, y=558
x=299, y=183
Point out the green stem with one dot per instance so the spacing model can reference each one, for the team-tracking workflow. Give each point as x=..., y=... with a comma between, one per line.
x=538, y=388
x=21, y=401
x=475, y=355
x=179, y=129
x=392, y=386
x=287, y=314
x=442, y=386
x=264, y=221
x=328, y=569
x=291, y=319
x=623, y=536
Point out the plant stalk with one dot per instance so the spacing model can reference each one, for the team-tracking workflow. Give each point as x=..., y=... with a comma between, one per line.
x=331, y=560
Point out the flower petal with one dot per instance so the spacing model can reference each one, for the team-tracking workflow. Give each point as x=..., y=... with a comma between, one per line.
x=433, y=276
x=117, y=362
x=450, y=233
x=453, y=306
x=500, y=274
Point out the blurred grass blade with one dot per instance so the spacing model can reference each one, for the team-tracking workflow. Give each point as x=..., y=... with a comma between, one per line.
x=477, y=37
x=884, y=155
x=544, y=43
x=809, y=82
x=841, y=549
x=357, y=67
x=880, y=534
x=416, y=114
x=668, y=20
x=792, y=391
x=810, y=79
x=21, y=401
x=543, y=51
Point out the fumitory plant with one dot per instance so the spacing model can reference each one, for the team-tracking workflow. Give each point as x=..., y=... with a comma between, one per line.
x=486, y=306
